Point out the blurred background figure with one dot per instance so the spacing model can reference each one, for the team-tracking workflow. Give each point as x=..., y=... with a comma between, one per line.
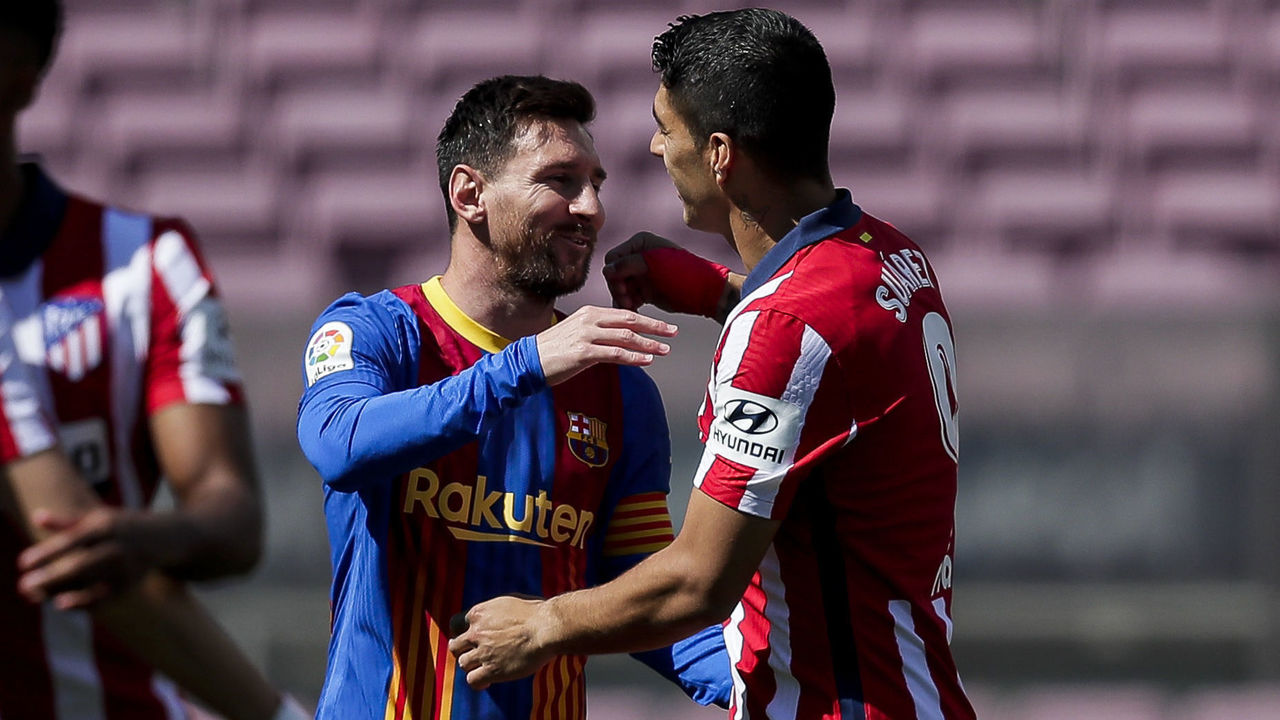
x=1097, y=182
x=120, y=331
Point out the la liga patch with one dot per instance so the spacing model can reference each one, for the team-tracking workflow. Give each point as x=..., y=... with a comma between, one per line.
x=329, y=351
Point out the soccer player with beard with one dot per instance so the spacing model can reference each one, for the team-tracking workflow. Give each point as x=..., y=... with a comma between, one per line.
x=475, y=442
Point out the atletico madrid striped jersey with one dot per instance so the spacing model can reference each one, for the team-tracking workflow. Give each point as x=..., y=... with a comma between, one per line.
x=453, y=474
x=831, y=407
x=115, y=316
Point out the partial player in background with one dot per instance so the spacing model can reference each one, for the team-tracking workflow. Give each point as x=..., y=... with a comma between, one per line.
x=124, y=338
x=823, y=515
x=155, y=618
x=473, y=441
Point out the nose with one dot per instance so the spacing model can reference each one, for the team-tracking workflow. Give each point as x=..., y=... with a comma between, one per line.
x=656, y=143
x=587, y=206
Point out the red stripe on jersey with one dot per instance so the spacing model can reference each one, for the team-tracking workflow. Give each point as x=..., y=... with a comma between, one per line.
x=132, y=696
x=27, y=689
x=765, y=367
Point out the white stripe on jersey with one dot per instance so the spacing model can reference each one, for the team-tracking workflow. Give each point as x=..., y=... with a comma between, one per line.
x=733, y=647
x=704, y=465
x=126, y=239
x=25, y=297
x=786, y=696
x=77, y=687
x=736, y=336
x=807, y=373
x=201, y=318
x=940, y=607
x=167, y=693
x=915, y=664
x=21, y=403
x=179, y=272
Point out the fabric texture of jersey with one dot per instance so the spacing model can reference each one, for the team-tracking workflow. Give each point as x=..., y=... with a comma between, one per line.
x=115, y=316
x=831, y=407
x=453, y=474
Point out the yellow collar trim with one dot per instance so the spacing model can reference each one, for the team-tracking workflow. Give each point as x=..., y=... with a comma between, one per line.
x=477, y=334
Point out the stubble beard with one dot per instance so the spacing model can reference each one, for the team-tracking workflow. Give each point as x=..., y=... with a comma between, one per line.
x=529, y=266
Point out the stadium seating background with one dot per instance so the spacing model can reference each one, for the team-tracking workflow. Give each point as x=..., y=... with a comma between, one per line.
x=1096, y=181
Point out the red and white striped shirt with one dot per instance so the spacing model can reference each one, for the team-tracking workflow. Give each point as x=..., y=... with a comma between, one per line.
x=115, y=316
x=831, y=407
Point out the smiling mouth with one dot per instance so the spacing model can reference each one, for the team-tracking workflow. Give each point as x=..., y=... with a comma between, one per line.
x=578, y=236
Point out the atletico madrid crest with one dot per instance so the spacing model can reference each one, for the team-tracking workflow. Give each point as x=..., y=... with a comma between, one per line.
x=587, y=441
x=73, y=330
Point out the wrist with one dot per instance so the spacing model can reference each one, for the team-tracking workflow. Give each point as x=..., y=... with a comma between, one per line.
x=550, y=636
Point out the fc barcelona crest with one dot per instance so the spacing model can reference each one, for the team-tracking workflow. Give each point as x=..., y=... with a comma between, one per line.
x=587, y=441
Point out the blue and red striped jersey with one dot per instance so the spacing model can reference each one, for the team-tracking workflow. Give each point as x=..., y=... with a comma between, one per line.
x=454, y=474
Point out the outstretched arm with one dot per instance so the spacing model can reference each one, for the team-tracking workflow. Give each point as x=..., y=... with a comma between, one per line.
x=691, y=583
x=156, y=618
x=357, y=422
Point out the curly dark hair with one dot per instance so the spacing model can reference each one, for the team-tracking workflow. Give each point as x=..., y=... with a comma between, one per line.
x=483, y=126
x=757, y=75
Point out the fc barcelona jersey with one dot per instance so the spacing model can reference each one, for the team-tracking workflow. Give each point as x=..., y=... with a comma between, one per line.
x=454, y=474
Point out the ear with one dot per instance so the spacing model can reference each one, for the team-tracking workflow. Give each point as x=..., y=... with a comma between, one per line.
x=465, y=186
x=722, y=154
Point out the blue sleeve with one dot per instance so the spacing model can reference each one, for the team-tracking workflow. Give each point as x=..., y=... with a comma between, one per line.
x=364, y=419
x=699, y=664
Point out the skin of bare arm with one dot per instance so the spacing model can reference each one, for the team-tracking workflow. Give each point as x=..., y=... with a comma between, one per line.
x=156, y=617
x=215, y=530
x=691, y=583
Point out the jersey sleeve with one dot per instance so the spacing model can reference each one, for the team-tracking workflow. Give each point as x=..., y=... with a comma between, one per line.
x=640, y=525
x=363, y=417
x=190, y=357
x=26, y=427
x=776, y=406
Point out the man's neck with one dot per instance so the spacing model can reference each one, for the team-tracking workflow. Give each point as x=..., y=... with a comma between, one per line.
x=761, y=217
x=472, y=283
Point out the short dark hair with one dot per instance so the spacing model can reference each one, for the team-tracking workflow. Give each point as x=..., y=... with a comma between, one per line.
x=760, y=77
x=40, y=21
x=482, y=128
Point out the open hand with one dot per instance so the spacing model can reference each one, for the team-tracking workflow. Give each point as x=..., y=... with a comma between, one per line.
x=594, y=335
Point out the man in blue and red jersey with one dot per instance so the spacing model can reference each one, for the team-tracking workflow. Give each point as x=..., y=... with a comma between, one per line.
x=474, y=442
x=822, y=522
x=118, y=321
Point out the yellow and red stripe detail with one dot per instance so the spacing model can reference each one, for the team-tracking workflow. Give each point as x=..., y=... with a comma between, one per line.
x=640, y=524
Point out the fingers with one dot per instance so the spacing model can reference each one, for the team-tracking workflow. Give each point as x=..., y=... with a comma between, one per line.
x=82, y=599
x=636, y=245
x=74, y=572
x=70, y=533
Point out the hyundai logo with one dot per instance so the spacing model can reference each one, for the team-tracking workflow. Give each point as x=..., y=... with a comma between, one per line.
x=750, y=417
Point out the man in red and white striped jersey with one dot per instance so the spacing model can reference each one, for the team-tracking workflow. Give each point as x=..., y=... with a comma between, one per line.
x=156, y=619
x=118, y=320
x=822, y=523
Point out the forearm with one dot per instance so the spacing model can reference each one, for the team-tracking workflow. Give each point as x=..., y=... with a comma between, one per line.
x=168, y=629
x=347, y=436
x=661, y=600
x=215, y=533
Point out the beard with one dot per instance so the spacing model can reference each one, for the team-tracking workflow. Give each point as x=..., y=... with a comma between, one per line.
x=529, y=263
